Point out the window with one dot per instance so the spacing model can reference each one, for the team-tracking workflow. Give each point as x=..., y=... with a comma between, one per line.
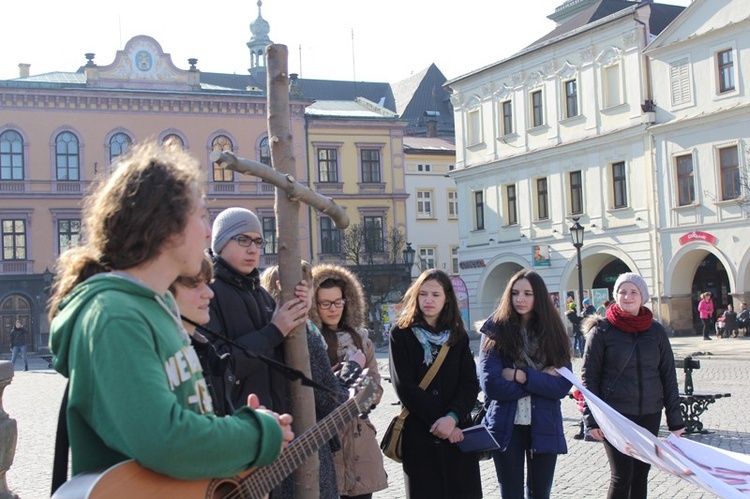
x=452, y=204
x=479, y=210
x=14, y=239
x=685, y=180
x=119, y=144
x=269, y=236
x=511, y=204
x=679, y=81
x=330, y=237
x=542, y=199
x=424, y=204
x=537, y=108
x=725, y=62
x=454, y=260
x=66, y=156
x=576, y=193
x=11, y=155
x=328, y=165
x=426, y=258
x=68, y=234
x=173, y=140
x=506, y=113
x=611, y=81
x=424, y=168
x=223, y=144
x=571, y=98
x=373, y=234
x=473, y=127
x=370, y=159
x=619, y=185
x=730, y=173
x=264, y=152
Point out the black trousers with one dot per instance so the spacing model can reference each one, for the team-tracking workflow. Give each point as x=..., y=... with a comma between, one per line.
x=707, y=327
x=629, y=476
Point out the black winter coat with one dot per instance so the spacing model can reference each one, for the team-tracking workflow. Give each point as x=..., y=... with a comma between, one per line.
x=435, y=468
x=632, y=372
x=242, y=310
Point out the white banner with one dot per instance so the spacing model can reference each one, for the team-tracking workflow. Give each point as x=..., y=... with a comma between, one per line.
x=724, y=473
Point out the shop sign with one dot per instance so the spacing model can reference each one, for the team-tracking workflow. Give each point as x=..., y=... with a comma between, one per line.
x=472, y=264
x=697, y=235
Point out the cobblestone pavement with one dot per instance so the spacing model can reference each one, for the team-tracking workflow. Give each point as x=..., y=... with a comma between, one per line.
x=33, y=400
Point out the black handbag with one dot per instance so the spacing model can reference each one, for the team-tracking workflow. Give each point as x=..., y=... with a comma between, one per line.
x=477, y=419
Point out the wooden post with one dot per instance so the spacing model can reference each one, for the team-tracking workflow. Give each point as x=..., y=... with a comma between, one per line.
x=290, y=269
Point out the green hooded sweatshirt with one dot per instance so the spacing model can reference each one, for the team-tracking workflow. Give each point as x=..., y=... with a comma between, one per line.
x=136, y=390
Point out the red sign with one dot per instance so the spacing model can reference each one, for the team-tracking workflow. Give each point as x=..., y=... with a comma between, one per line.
x=697, y=235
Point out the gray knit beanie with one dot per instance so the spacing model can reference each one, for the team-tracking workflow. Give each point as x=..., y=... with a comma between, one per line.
x=634, y=279
x=231, y=222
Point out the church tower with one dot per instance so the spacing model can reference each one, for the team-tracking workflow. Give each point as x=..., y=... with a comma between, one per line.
x=258, y=43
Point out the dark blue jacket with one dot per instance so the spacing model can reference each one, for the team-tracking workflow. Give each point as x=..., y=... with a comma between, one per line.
x=547, y=435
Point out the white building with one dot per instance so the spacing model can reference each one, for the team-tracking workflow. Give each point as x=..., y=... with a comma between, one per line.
x=700, y=67
x=559, y=132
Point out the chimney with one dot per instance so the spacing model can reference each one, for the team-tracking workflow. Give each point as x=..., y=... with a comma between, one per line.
x=23, y=70
x=432, y=128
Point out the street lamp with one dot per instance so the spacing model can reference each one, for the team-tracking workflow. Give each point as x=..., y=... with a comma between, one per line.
x=409, y=258
x=47, y=277
x=576, y=233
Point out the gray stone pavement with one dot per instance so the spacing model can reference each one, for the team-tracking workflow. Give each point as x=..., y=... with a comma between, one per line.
x=33, y=400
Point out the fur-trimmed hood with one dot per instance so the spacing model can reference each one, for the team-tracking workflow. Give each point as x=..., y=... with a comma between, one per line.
x=589, y=323
x=355, y=309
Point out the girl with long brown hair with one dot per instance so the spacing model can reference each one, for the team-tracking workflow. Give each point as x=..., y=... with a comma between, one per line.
x=524, y=341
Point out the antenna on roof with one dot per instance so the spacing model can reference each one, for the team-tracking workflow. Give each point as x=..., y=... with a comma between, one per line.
x=354, y=68
x=300, y=59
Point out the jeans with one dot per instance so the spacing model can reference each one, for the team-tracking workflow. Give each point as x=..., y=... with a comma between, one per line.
x=16, y=351
x=578, y=344
x=509, y=466
x=629, y=476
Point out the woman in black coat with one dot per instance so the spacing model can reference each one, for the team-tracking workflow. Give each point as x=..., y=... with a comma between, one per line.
x=434, y=467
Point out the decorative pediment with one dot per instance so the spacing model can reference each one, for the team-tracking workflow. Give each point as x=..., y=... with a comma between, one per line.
x=518, y=78
x=609, y=56
x=473, y=102
x=457, y=99
x=534, y=79
x=142, y=64
x=485, y=91
x=567, y=71
x=503, y=92
x=629, y=39
x=586, y=55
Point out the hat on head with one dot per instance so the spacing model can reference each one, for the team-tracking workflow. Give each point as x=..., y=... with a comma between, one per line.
x=633, y=279
x=586, y=301
x=231, y=222
x=571, y=306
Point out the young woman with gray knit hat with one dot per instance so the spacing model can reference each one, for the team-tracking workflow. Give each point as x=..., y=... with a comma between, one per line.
x=243, y=311
x=628, y=363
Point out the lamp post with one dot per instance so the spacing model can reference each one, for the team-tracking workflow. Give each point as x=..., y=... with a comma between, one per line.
x=576, y=233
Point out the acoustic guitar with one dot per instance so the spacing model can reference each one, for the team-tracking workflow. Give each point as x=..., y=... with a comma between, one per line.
x=128, y=479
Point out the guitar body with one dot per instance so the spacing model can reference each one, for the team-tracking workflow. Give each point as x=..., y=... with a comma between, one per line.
x=129, y=479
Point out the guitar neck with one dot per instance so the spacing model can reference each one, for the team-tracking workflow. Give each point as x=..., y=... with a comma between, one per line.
x=265, y=479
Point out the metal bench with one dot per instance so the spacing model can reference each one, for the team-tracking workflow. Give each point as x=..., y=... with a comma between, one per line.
x=692, y=404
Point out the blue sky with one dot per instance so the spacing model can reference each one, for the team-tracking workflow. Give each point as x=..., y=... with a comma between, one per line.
x=391, y=38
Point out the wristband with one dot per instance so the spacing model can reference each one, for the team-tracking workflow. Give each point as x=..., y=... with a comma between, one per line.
x=453, y=415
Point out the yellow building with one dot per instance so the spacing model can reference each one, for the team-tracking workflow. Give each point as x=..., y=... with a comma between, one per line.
x=355, y=156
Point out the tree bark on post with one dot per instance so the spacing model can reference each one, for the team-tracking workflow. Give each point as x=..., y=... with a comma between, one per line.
x=290, y=269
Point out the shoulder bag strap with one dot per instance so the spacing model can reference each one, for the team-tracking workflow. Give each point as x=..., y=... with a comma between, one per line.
x=430, y=374
x=62, y=444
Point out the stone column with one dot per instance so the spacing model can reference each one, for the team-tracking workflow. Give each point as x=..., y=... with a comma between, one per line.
x=8, y=432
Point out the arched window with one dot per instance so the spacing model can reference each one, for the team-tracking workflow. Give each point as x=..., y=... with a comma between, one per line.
x=224, y=144
x=11, y=155
x=118, y=145
x=67, y=156
x=173, y=139
x=265, y=152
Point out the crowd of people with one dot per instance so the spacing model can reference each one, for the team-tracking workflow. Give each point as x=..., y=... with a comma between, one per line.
x=160, y=336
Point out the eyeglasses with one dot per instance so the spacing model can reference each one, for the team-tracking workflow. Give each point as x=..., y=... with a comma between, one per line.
x=246, y=242
x=328, y=305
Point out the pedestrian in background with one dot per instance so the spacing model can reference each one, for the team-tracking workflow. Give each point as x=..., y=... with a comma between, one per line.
x=524, y=342
x=575, y=322
x=629, y=364
x=434, y=467
x=602, y=309
x=706, y=312
x=339, y=310
x=18, y=344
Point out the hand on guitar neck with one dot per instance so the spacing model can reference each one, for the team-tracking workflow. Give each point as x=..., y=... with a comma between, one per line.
x=284, y=420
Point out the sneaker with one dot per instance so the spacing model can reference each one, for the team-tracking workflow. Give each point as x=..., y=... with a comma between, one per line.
x=707, y=338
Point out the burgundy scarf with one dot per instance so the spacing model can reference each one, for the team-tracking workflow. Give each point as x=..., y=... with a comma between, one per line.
x=629, y=323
